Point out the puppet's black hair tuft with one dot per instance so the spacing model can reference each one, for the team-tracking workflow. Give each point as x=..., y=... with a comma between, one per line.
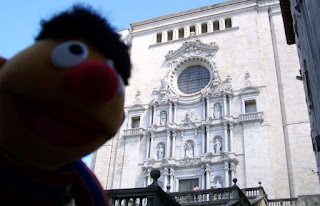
x=84, y=22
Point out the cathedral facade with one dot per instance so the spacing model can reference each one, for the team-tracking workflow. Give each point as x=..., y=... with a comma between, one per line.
x=213, y=96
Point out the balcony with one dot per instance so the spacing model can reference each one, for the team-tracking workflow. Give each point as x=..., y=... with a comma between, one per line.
x=251, y=117
x=134, y=132
x=284, y=202
x=153, y=195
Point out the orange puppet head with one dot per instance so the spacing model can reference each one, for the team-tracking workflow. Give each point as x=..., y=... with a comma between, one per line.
x=63, y=97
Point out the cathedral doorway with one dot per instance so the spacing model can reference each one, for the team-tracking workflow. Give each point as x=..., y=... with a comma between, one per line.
x=187, y=184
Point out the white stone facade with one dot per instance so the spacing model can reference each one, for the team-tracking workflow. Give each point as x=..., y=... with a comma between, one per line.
x=250, y=121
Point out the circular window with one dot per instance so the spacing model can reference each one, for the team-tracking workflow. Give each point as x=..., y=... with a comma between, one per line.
x=193, y=79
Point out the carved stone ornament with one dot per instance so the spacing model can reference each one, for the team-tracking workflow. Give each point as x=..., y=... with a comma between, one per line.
x=247, y=79
x=192, y=47
x=137, y=97
x=149, y=162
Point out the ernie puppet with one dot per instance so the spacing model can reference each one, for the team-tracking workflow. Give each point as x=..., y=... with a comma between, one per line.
x=60, y=99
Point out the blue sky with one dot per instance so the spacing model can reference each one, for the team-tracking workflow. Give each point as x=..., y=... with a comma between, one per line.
x=19, y=19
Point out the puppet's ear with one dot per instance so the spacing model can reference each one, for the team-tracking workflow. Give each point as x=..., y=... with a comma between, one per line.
x=2, y=61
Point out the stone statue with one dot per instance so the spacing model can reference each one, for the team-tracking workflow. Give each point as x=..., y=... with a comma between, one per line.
x=217, y=147
x=137, y=97
x=218, y=185
x=189, y=115
x=215, y=75
x=217, y=111
x=247, y=79
x=163, y=118
x=189, y=149
x=160, y=151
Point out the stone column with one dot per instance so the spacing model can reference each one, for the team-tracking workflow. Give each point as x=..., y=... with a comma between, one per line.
x=164, y=36
x=170, y=113
x=231, y=137
x=233, y=169
x=208, y=171
x=168, y=144
x=230, y=105
x=203, y=141
x=175, y=113
x=151, y=144
x=208, y=138
x=203, y=177
x=154, y=114
x=148, y=148
x=151, y=115
x=226, y=173
x=226, y=138
x=204, y=109
x=172, y=180
x=222, y=24
x=208, y=107
x=198, y=29
x=166, y=174
x=224, y=105
x=175, y=34
x=210, y=26
x=149, y=177
x=186, y=31
x=174, y=136
x=154, y=38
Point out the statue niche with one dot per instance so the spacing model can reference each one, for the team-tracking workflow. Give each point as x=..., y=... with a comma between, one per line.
x=217, y=111
x=217, y=145
x=160, y=151
x=163, y=117
x=189, y=149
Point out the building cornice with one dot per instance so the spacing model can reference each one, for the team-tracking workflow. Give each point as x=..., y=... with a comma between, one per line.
x=176, y=19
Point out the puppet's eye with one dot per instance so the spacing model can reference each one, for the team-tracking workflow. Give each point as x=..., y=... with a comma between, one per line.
x=69, y=54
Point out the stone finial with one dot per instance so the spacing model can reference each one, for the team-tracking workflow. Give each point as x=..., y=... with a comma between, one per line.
x=247, y=79
x=234, y=180
x=155, y=174
x=259, y=183
x=168, y=188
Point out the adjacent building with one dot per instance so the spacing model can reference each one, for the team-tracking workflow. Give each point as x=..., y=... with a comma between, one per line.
x=301, y=20
x=213, y=96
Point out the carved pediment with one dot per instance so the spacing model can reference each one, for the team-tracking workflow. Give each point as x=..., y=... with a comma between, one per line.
x=136, y=107
x=149, y=162
x=192, y=47
x=249, y=90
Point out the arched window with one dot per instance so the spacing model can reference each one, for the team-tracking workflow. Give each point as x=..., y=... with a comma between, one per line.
x=193, y=79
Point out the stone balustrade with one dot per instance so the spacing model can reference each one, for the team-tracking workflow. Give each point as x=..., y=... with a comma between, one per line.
x=216, y=195
x=134, y=132
x=255, y=191
x=152, y=195
x=283, y=202
x=249, y=117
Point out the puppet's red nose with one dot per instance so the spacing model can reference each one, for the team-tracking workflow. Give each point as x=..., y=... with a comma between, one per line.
x=93, y=82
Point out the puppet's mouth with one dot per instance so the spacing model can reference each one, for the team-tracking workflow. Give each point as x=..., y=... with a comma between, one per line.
x=58, y=123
